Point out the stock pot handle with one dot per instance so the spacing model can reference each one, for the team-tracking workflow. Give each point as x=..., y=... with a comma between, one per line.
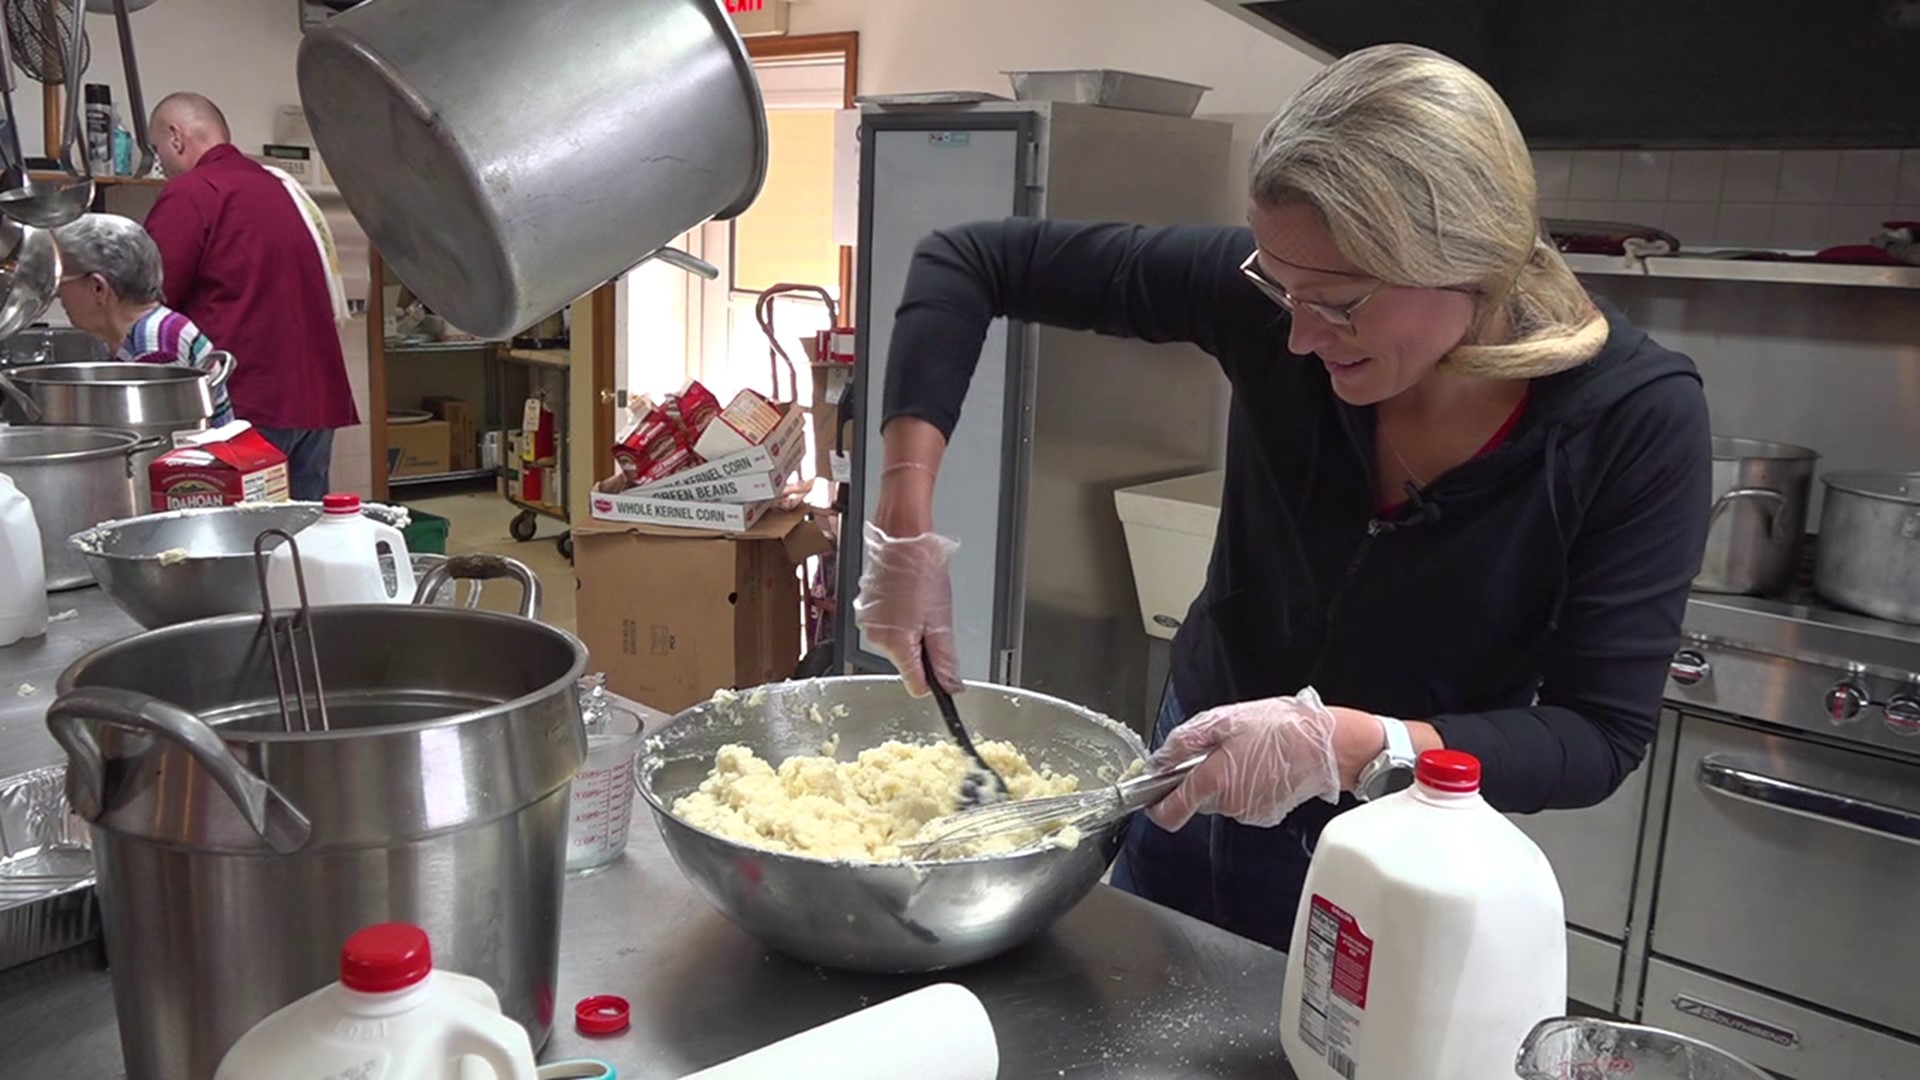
x=690, y=263
x=483, y=568
x=9, y=389
x=72, y=720
x=1773, y=500
x=222, y=368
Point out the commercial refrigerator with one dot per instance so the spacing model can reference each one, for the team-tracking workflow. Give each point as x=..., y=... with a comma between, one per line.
x=1055, y=420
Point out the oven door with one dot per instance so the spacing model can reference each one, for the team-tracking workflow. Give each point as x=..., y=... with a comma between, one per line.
x=1793, y=865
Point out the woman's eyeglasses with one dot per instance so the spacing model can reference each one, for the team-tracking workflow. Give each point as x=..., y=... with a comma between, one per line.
x=1338, y=316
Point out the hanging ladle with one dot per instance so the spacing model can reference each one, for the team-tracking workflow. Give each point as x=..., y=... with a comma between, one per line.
x=49, y=204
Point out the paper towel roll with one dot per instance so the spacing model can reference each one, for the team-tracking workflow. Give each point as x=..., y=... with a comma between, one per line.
x=939, y=1033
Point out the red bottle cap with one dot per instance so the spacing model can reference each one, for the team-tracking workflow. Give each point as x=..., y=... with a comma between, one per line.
x=386, y=957
x=340, y=504
x=602, y=1014
x=1453, y=771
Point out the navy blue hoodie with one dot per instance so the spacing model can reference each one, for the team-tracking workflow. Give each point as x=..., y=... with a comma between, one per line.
x=1526, y=603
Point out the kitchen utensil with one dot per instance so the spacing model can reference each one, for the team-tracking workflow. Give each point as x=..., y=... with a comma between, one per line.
x=498, y=205
x=152, y=399
x=1759, y=516
x=409, y=416
x=448, y=595
x=1034, y=820
x=1574, y=1048
x=46, y=870
x=49, y=204
x=438, y=798
x=130, y=67
x=1868, y=557
x=602, y=803
x=41, y=34
x=29, y=276
x=75, y=477
x=182, y=565
x=883, y=917
x=294, y=623
x=982, y=785
x=43, y=344
x=1113, y=89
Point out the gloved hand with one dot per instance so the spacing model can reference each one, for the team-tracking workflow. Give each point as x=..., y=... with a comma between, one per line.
x=1264, y=758
x=906, y=597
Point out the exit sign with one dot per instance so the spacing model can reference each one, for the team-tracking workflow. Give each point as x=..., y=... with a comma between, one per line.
x=759, y=18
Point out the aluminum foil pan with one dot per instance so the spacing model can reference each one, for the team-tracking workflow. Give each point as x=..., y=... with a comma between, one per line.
x=46, y=870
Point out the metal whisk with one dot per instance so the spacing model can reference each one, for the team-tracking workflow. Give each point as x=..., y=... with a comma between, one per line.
x=1032, y=819
x=295, y=622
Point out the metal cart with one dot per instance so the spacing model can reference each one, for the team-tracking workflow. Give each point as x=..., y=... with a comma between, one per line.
x=542, y=372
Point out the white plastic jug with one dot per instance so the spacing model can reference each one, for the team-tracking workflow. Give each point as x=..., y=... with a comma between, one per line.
x=23, y=570
x=390, y=1017
x=1430, y=938
x=340, y=555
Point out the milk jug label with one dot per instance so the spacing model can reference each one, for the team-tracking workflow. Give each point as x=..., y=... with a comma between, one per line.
x=1333, y=994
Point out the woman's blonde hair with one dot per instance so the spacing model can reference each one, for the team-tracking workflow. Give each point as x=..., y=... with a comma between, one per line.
x=1425, y=180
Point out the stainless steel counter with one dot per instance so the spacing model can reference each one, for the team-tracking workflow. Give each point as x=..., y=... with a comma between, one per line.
x=1119, y=988
x=28, y=670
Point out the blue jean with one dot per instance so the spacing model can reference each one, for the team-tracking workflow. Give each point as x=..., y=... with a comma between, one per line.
x=309, y=459
x=1240, y=878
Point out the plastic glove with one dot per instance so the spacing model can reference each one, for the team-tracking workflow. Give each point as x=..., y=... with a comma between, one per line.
x=1264, y=758
x=906, y=597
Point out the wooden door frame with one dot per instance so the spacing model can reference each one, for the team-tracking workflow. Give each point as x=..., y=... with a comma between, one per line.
x=376, y=418
x=843, y=46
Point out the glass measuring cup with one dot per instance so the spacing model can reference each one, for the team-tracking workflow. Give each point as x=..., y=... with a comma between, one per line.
x=602, y=803
x=1572, y=1048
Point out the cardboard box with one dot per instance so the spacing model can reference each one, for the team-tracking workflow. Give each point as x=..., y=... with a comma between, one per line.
x=749, y=488
x=422, y=449
x=747, y=421
x=222, y=467
x=764, y=459
x=672, y=615
x=832, y=385
x=678, y=514
x=463, y=435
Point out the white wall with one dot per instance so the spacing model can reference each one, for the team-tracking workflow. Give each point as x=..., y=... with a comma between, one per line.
x=942, y=45
x=240, y=53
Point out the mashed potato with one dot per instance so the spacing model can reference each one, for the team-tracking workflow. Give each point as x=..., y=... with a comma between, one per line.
x=863, y=809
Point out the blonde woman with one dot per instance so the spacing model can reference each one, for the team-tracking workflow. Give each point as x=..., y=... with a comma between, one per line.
x=1463, y=501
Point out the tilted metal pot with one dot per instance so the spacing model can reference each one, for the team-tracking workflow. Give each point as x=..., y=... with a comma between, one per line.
x=1868, y=558
x=508, y=158
x=235, y=855
x=76, y=478
x=1759, y=517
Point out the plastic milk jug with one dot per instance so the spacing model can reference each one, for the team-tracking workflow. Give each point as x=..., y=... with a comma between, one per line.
x=1430, y=938
x=390, y=1017
x=23, y=570
x=340, y=555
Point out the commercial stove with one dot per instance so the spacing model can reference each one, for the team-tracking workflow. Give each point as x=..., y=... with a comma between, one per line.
x=1756, y=883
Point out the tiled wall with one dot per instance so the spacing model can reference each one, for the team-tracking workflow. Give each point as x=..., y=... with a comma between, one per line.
x=1799, y=200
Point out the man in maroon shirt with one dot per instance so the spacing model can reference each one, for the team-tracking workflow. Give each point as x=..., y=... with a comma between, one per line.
x=241, y=263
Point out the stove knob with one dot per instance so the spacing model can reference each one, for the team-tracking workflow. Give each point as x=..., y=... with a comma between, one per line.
x=1903, y=715
x=1844, y=702
x=1689, y=668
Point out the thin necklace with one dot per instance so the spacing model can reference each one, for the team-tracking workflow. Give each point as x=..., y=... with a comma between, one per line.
x=1401, y=458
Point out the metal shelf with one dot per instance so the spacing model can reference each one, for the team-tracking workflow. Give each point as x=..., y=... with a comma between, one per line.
x=1695, y=268
x=441, y=347
x=442, y=478
x=554, y=358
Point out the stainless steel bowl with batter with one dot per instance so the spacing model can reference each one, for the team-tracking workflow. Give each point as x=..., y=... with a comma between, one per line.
x=884, y=917
x=182, y=565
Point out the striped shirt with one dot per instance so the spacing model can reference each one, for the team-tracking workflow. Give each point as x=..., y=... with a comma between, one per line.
x=164, y=336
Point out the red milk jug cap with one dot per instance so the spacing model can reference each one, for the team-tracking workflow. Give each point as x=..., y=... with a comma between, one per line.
x=340, y=504
x=1453, y=771
x=385, y=957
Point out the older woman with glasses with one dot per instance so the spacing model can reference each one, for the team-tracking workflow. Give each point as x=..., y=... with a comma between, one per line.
x=110, y=277
x=1463, y=499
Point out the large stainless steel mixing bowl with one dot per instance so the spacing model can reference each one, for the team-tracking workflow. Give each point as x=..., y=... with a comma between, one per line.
x=182, y=565
x=884, y=917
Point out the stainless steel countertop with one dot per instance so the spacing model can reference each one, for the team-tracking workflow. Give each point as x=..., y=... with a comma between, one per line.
x=1804, y=628
x=37, y=662
x=1119, y=988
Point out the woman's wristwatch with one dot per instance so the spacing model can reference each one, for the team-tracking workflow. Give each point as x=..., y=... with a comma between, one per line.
x=1392, y=770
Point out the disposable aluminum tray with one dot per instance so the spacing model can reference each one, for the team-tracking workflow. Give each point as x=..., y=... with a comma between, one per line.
x=1114, y=89
x=46, y=870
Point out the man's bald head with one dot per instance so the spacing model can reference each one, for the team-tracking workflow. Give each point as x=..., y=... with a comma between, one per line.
x=184, y=127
